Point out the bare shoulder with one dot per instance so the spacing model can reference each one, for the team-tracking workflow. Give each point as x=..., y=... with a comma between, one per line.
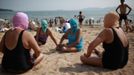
x=128, y=6
x=106, y=34
x=48, y=31
x=27, y=35
x=107, y=31
x=125, y=5
x=119, y=6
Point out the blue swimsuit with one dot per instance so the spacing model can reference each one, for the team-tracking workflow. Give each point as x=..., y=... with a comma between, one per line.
x=72, y=39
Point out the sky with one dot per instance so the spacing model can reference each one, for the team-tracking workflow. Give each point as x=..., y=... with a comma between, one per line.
x=37, y=5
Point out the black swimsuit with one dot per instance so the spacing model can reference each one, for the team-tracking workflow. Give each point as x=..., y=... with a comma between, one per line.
x=123, y=16
x=80, y=18
x=115, y=55
x=18, y=59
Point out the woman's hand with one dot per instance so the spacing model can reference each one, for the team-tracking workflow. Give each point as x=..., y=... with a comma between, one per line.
x=65, y=45
x=58, y=46
x=35, y=56
x=85, y=54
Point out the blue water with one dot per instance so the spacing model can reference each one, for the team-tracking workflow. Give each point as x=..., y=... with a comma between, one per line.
x=66, y=14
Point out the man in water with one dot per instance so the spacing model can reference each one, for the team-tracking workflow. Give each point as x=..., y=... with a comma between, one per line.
x=123, y=13
x=80, y=18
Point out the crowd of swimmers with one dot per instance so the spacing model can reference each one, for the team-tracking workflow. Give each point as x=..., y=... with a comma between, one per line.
x=17, y=43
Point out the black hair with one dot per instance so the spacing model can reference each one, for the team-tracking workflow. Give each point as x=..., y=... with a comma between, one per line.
x=122, y=0
x=80, y=12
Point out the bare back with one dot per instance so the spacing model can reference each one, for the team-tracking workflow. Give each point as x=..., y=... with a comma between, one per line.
x=121, y=36
x=11, y=39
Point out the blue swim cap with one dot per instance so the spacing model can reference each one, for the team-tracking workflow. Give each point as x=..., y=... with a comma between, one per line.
x=74, y=24
x=44, y=25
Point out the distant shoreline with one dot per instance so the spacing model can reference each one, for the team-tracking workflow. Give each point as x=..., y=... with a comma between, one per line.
x=5, y=10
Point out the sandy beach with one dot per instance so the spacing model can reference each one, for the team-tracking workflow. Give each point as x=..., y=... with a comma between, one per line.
x=55, y=63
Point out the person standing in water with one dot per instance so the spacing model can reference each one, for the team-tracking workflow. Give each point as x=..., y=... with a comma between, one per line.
x=123, y=14
x=80, y=18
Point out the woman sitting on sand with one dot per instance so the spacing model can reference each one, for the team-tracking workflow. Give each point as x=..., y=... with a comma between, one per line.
x=43, y=32
x=74, y=37
x=16, y=45
x=115, y=45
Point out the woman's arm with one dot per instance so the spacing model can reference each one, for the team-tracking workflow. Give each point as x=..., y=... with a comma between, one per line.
x=52, y=37
x=37, y=34
x=64, y=36
x=102, y=37
x=33, y=45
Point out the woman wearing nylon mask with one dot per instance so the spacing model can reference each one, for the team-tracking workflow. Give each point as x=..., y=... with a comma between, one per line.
x=43, y=33
x=73, y=35
x=115, y=45
x=16, y=45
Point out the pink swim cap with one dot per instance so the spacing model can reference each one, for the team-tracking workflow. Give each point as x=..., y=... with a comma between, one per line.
x=20, y=20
